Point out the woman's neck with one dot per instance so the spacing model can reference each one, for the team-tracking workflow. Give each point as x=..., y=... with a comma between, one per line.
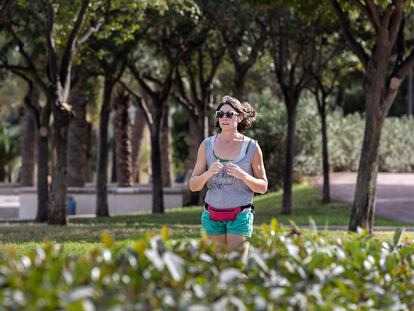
x=230, y=135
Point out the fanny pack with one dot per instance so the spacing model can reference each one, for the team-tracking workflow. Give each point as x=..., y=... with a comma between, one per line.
x=225, y=214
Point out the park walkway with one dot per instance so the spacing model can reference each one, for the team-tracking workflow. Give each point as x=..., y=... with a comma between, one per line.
x=395, y=193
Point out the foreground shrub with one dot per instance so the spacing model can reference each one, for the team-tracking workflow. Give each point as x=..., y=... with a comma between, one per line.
x=284, y=271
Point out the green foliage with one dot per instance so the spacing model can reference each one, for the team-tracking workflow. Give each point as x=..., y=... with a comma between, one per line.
x=9, y=146
x=284, y=270
x=346, y=135
x=270, y=129
x=179, y=132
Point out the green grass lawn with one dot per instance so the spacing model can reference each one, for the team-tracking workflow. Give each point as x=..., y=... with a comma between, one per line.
x=82, y=235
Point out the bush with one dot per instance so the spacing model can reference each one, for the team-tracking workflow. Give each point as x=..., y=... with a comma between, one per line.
x=270, y=131
x=284, y=271
x=345, y=136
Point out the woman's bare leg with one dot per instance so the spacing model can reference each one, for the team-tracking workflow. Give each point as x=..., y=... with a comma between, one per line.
x=219, y=238
x=237, y=241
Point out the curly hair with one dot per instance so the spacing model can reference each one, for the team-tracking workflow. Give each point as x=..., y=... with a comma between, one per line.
x=247, y=111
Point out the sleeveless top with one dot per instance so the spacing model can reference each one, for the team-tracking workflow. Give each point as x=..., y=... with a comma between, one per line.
x=225, y=191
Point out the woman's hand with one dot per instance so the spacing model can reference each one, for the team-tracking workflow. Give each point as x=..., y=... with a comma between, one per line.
x=235, y=171
x=214, y=169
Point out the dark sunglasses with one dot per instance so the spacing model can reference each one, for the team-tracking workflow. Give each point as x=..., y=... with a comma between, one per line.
x=228, y=114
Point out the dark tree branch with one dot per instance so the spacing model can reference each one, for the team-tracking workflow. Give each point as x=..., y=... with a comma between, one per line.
x=404, y=68
x=101, y=21
x=167, y=83
x=6, y=10
x=141, y=81
x=258, y=44
x=215, y=63
x=183, y=102
x=200, y=67
x=345, y=25
x=181, y=88
x=387, y=15
x=28, y=103
x=50, y=44
x=395, y=22
x=70, y=49
x=152, y=79
x=190, y=74
x=28, y=59
x=140, y=102
x=371, y=10
x=5, y=65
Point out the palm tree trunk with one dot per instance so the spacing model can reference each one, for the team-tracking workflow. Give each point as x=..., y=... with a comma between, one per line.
x=121, y=105
x=77, y=142
x=42, y=175
x=136, y=141
x=89, y=170
x=28, y=141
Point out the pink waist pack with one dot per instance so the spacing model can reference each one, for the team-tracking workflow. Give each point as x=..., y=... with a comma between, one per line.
x=223, y=214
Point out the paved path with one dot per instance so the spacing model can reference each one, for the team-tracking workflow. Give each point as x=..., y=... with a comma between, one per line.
x=395, y=193
x=9, y=206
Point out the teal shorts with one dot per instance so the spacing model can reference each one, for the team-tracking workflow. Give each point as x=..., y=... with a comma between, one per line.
x=242, y=225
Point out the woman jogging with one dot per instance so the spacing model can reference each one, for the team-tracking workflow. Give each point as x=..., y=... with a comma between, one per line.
x=232, y=166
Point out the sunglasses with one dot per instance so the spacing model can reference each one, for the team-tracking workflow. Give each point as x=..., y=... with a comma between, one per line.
x=228, y=114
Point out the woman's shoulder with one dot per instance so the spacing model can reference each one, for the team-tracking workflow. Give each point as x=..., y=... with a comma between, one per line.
x=206, y=141
x=250, y=140
x=209, y=138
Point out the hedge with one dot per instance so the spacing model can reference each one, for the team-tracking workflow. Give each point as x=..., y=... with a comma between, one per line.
x=345, y=135
x=285, y=270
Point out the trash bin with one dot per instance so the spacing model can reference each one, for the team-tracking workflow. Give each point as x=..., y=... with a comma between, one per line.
x=70, y=206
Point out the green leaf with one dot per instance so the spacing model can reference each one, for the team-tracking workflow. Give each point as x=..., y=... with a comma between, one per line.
x=398, y=234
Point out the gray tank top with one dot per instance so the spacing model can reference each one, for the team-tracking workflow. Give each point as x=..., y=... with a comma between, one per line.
x=225, y=191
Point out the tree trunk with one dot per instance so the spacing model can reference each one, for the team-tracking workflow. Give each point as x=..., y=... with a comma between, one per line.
x=136, y=141
x=363, y=207
x=289, y=157
x=77, y=142
x=61, y=118
x=325, y=155
x=121, y=104
x=114, y=175
x=28, y=141
x=102, y=162
x=410, y=94
x=239, y=85
x=194, y=141
x=2, y=173
x=42, y=175
x=378, y=99
x=165, y=141
x=90, y=137
x=156, y=166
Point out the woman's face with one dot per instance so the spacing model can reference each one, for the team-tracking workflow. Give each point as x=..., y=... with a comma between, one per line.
x=230, y=117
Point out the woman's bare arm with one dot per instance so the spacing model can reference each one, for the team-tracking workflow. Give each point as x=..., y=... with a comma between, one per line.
x=258, y=182
x=200, y=175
